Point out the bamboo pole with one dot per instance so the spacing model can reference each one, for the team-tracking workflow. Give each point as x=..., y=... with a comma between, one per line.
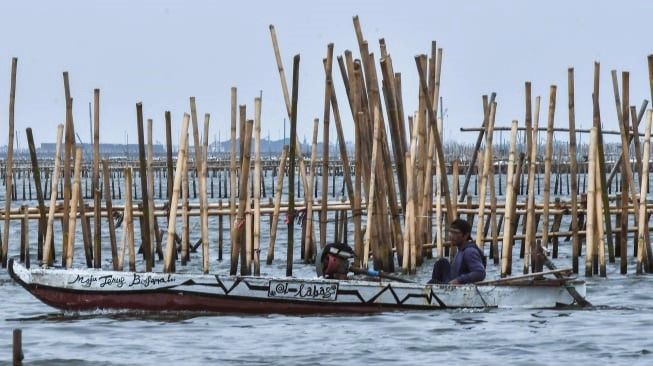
x=145, y=229
x=370, y=235
x=530, y=216
x=232, y=182
x=547, y=166
x=170, y=173
x=73, y=209
x=69, y=137
x=277, y=204
x=438, y=195
x=408, y=220
x=170, y=243
x=109, y=210
x=128, y=228
x=325, y=146
x=9, y=163
x=641, y=241
x=438, y=143
x=487, y=165
x=599, y=252
x=243, y=205
x=573, y=169
x=291, y=173
x=591, y=205
x=309, y=196
x=257, y=188
x=97, y=198
x=509, y=216
x=185, y=233
x=39, y=191
x=288, y=102
x=156, y=244
x=47, y=249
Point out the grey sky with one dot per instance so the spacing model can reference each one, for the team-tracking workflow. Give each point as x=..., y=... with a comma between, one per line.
x=162, y=52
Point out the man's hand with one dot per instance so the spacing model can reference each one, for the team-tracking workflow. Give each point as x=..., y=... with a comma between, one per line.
x=455, y=281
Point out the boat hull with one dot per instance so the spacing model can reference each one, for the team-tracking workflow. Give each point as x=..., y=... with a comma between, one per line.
x=90, y=289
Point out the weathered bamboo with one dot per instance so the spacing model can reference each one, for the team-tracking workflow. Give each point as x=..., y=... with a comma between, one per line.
x=487, y=165
x=573, y=169
x=109, y=210
x=598, y=259
x=128, y=228
x=39, y=192
x=170, y=243
x=531, y=135
x=9, y=165
x=257, y=188
x=150, y=187
x=309, y=197
x=185, y=223
x=438, y=195
x=73, y=209
x=509, y=216
x=591, y=205
x=325, y=145
x=405, y=265
x=232, y=182
x=277, y=204
x=291, y=173
x=547, y=165
x=438, y=143
x=97, y=198
x=170, y=172
x=69, y=138
x=370, y=234
x=146, y=244
x=641, y=242
x=47, y=250
x=243, y=204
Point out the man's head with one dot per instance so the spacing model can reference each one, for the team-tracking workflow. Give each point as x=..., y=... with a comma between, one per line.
x=459, y=231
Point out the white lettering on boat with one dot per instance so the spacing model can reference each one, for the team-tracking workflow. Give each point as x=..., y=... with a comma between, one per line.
x=303, y=290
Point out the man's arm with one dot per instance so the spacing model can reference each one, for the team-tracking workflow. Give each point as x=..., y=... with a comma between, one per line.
x=475, y=265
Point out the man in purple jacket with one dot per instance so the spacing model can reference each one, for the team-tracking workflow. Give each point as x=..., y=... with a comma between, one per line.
x=468, y=265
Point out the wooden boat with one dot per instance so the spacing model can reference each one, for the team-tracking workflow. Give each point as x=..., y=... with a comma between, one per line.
x=90, y=289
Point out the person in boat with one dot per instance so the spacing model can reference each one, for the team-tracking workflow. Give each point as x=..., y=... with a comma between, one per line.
x=333, y=261
x=468, y=264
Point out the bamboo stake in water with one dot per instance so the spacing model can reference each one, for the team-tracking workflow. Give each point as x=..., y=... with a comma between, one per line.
x=39, y=192
x=277, y=204
x=9, y=165
x=325, y=147
x=145, y=229
x=47, y=249
x=257, y=188
x=170, y=243
x=409, y=214
x=573, y=169
x=547, y=167
x=128, y=229
x=641, y=241
x=487, y=165
x=506, y=257
x=309, y=197
x=232, y=182
x=150, y=188
x=112, y=225
x=591, y=205
x=369, y=232
x=73, y=209
x=291, y=173
x=185, y=234
x=97, y=202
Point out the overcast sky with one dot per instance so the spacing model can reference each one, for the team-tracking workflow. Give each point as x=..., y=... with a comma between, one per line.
x=162, y=52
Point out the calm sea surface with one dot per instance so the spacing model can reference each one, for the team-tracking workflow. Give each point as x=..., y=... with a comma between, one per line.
x=618, y=330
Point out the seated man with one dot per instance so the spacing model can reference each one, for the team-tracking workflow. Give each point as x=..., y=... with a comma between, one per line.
x=468, y=264
x=333, y=261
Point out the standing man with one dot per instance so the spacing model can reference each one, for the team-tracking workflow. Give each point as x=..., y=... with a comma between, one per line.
x=468, y=264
